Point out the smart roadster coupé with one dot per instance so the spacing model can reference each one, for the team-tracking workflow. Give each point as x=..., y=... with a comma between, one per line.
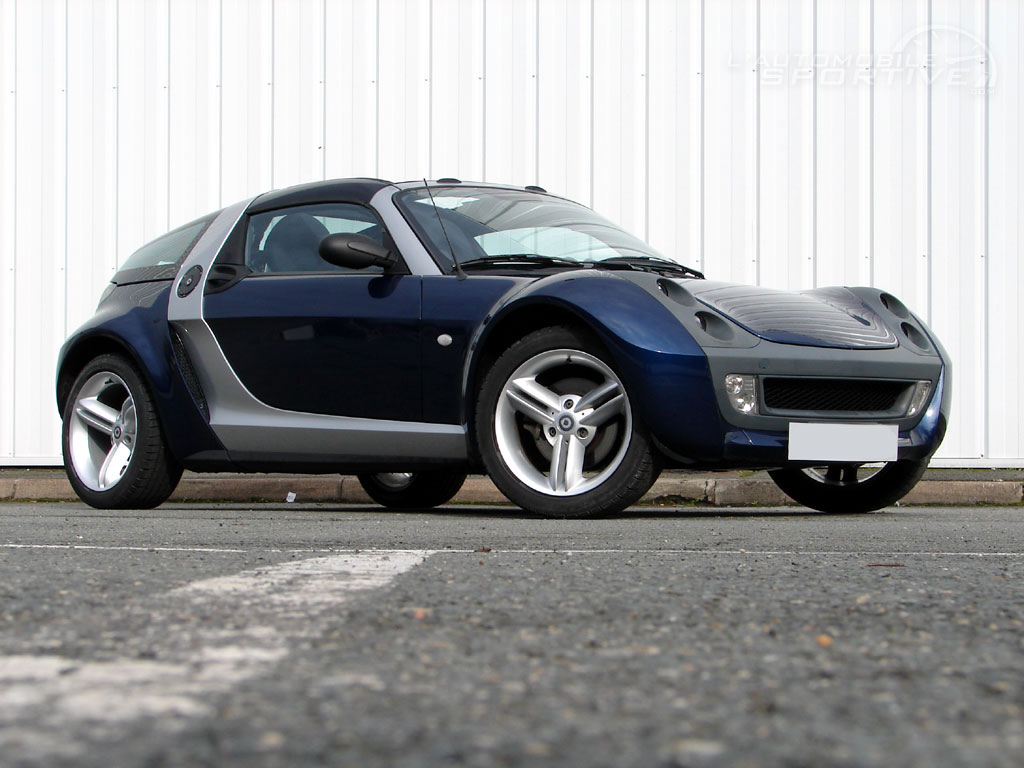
x=412, y=333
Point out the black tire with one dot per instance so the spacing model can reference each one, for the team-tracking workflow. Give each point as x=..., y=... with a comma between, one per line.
x=412, y=490
x=841, y=488
x=149, y=473
x=520, y=453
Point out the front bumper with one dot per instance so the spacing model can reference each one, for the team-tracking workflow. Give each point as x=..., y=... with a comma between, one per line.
x=764, y=448
x=705, y=431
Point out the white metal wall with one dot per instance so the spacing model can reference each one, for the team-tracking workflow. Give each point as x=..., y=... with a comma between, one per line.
x=791, y=143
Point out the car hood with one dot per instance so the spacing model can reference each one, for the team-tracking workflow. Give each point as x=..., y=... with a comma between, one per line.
x=823, y=317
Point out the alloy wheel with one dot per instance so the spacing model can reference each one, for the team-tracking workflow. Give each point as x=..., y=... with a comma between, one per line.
x=563, y=422
x=103, y=432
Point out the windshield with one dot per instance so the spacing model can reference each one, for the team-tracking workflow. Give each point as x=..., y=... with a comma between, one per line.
x=484, y=223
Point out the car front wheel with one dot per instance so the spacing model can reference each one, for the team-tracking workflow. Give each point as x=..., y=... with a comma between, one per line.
x=114, y=450
x=556, y=428
x=850, y=488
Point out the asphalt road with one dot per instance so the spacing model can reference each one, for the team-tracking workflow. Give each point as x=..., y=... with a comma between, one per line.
x=317, y=635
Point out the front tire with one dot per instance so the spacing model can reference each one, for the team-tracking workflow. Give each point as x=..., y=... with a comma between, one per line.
x=556, y=429
x=412, y=490
x=114, y=450
x=850, y=488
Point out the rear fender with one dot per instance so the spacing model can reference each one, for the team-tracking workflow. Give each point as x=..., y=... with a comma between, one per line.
x=132, y=321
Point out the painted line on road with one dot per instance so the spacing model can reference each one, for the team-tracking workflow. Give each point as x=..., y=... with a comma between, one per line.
x=787, y=552
x=46, y=695
x=793, y=552
x=106, y=548
x=309, y=582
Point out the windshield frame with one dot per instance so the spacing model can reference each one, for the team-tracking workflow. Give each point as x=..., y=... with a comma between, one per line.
x=440, y=252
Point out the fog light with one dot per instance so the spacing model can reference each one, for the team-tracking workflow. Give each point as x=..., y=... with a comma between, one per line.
x=742, y=392
x=919, y=399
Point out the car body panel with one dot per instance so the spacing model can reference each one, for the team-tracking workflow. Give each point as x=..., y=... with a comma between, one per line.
x=327, y=371
x=289, y=344
x=458, y=309
x=132, y=320
x=823, y=317
x=661, y=364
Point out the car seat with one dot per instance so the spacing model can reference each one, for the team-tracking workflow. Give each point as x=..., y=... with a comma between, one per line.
x=293, y=245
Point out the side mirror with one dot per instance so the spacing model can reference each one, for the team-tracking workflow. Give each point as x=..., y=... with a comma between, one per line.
x=354, y=251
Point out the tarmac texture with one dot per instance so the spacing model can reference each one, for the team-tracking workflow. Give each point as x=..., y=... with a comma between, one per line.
x=329, y=634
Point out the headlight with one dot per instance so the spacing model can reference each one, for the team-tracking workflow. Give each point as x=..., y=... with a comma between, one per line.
x=742, y=392
x=919, y=399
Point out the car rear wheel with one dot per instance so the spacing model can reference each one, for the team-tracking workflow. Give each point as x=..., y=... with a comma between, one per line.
x=412, y=490
x=850, y=488
x=556, y=429
x=114, y=450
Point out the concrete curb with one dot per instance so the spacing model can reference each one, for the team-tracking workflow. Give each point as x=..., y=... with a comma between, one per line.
x=670, y=490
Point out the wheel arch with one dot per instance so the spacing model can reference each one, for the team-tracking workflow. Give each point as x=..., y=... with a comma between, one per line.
x=638, y=333
x=144, y=340
x=81, y=349
x=512, y=323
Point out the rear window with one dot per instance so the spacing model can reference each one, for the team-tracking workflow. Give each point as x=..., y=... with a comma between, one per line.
x=169, y=249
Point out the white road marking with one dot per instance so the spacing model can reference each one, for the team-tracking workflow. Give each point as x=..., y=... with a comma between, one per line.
x=309, y=582
x=44, y=694
x=496, y=551
x=104, y=548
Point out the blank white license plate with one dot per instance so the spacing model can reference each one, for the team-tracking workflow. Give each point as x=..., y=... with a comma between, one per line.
x=842, y=442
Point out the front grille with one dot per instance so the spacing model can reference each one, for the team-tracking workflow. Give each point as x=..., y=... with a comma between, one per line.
x=850, y=395
x=189, y=374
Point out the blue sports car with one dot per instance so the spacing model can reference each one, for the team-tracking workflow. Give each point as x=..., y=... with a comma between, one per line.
x=413, y=332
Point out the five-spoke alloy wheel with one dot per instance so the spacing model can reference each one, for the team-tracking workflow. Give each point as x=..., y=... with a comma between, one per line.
x=114, y=450
x=556, y=429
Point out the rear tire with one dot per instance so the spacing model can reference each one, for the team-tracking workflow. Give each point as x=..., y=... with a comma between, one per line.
x=412, y=490
x=844, y=489
x=115, y=454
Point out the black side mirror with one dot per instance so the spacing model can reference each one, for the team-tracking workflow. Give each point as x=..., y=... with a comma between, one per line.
x=353, y=251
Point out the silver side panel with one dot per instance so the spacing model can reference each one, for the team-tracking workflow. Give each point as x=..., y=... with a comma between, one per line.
x=415, y=255
x=246, y=425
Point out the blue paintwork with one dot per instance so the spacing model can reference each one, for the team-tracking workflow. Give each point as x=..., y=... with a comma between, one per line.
x=664, y=369
x=457, y=308
x=294, y=355
x=367, y=346
x=134, y=317
x=341, y=344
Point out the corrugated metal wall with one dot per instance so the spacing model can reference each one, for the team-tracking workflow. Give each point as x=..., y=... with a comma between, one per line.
x=790, y=143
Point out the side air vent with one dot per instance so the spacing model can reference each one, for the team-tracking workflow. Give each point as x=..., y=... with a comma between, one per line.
x=917, y=338
x=676, y=292
x=713, y=325
x=188, y=372
x=895, y=306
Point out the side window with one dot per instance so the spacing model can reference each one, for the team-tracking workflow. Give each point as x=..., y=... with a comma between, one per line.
x=287, y=240
x=170, y=248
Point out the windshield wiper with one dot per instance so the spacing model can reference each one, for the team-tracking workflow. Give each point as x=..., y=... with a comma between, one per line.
x=649, y=264
x=522, y=260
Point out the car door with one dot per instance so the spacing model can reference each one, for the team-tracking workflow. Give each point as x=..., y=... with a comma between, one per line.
x=307, y=336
